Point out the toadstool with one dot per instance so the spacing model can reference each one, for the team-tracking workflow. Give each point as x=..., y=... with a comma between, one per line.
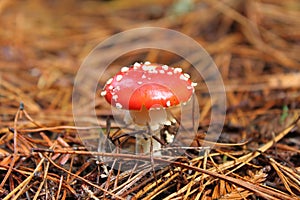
x=148, y=91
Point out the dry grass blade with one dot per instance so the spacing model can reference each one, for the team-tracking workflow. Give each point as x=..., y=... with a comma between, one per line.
x=43, y=182
x=82, y=179
x=258, y=190
x=241, y=161
x=59, y=187
x=19, y=189
x=234, y=192
x=15, y=156
x=289, y=177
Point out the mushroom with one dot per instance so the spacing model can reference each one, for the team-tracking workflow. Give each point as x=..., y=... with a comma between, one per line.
x=148, y=91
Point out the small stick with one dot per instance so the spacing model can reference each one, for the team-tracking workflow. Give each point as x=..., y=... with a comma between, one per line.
x=59, y=186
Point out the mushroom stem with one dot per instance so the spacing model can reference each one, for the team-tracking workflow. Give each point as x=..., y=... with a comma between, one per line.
x=153, y=119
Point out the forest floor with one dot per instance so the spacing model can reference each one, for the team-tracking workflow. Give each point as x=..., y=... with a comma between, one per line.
x=49, y=152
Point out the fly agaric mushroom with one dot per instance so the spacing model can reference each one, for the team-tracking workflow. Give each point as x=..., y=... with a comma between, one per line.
x=148, y=91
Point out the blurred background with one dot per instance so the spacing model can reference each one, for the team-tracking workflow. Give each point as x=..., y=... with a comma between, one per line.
x=255, y=45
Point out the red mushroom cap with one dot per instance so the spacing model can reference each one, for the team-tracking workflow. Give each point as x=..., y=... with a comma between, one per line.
x=148, y=85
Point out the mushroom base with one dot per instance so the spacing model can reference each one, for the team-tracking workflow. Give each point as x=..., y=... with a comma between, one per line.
x=143, y=144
